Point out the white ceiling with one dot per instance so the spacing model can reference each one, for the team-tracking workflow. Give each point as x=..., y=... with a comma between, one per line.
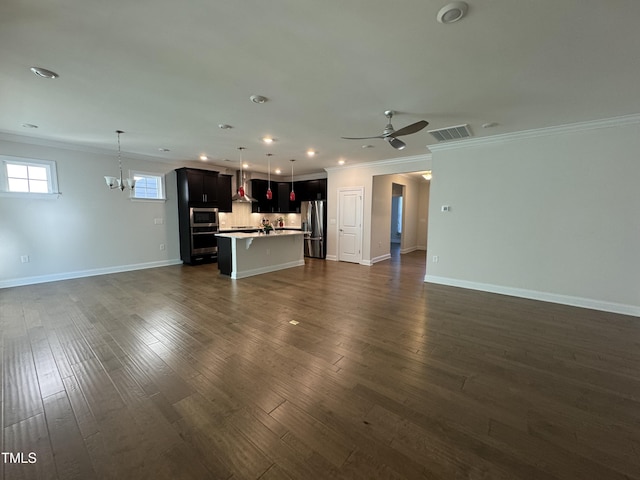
x=168, y=72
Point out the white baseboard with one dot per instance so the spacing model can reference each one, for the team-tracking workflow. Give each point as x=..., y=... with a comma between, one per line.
x=55, y=277
x=377, y=259
x=408, y=250
x=332, y=258
x=536, y=295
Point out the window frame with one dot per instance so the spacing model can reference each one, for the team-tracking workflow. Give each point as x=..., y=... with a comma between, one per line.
x=52, y=176
x=162, y=195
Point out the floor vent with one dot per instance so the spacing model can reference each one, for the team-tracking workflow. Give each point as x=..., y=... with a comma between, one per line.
x=451, y=133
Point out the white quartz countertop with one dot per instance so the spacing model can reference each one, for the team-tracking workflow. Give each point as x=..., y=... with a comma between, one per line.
x=274, y=233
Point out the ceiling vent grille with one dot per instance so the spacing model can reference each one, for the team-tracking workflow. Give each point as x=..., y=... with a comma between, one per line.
x=451, y=133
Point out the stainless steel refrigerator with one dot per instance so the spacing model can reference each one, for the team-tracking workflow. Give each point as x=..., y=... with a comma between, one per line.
x=314, y=224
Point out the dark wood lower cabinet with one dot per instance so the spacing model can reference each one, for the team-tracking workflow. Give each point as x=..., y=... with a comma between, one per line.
x=224, y=255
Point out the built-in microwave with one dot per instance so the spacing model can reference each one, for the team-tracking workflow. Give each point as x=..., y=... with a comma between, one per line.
x=203, y=217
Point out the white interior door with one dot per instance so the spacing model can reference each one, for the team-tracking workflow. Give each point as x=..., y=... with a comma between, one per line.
x=350, y=224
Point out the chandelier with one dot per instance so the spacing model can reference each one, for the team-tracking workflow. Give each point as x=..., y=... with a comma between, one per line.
x=120, y=183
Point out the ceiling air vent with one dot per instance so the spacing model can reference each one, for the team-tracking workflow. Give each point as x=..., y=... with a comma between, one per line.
x=451, y=133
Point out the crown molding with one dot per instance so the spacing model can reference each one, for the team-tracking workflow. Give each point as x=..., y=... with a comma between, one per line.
x=74, y=147
x=381, y=163
x=539, y=132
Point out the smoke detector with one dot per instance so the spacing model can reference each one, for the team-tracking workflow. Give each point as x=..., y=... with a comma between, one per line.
x=452, y=12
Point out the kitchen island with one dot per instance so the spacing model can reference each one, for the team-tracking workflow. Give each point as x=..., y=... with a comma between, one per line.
x=245, y=254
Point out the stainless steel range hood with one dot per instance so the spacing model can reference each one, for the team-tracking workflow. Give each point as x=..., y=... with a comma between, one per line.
x=246, y=182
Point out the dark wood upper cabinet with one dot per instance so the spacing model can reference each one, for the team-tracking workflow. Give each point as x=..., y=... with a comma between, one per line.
x=224, y=193
x=311, y=190
x=305, y=191
x=198, y=187
x=259, y=194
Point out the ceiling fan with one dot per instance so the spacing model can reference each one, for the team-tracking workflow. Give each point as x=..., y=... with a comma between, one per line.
x=390, y=134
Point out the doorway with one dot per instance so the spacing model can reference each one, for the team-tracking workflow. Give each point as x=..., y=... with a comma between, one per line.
x=397, y=219
x=350, y=212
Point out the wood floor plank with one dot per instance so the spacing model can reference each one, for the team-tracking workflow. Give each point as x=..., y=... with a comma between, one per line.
x=181, y=373
x=233, y=448
x=69, y=450
x=321, y=439
x=29, y=436
x=20, y=387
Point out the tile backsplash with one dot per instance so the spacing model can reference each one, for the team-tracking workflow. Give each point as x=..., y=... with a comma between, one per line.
x=242, y=216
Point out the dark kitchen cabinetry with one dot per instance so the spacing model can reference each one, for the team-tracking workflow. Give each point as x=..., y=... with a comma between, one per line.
x=201, y=195
x=224, y=193
x=199, y=188
x=284, y=204
x=259, y=194
x=309, y=190
x=306, y=190
x=204, y=188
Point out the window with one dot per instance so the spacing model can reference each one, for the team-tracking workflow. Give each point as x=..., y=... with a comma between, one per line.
x=26, y=176
x=148, y=186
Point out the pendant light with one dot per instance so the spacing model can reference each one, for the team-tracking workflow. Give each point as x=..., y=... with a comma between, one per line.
x=269, y=192
x=292, y=195
x=241, y=186
x=120, y=183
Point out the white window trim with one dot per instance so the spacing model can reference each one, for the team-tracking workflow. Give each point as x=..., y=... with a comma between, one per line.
x=163, y=192
x=52, y=177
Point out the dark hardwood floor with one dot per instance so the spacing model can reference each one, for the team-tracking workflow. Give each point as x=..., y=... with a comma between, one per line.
x=179, y=373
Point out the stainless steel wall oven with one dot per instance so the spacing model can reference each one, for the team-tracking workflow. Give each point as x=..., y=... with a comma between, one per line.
x=204, y=226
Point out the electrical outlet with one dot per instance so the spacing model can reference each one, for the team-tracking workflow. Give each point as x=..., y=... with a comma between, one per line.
x=158, y=221
x=24, y=258
x=162, y=246
x=435, y=259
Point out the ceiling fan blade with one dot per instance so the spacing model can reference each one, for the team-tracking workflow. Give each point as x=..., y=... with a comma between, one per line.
x=395, y=142
x=361, y=138
x=409, y=129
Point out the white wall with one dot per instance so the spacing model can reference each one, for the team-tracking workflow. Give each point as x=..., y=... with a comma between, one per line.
x=553, y=215
x=362, y=176
x=423, y=216
x=89, y=229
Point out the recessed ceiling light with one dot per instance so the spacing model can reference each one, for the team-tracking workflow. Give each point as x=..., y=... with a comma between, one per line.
x=258, y=99
x=44, y=73
x=452, y=12
x=29, y=125
x=367, y=146
x=163, y=149
x=268, y=139
x=204, y=157
x=340, y=162
x=311, y=153
x=224, y=126
x=278, y=171
x=245, y=165
x=489, y=125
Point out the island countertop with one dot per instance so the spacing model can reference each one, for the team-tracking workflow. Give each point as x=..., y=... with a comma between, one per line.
x=243, y=254
x=276, y=233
